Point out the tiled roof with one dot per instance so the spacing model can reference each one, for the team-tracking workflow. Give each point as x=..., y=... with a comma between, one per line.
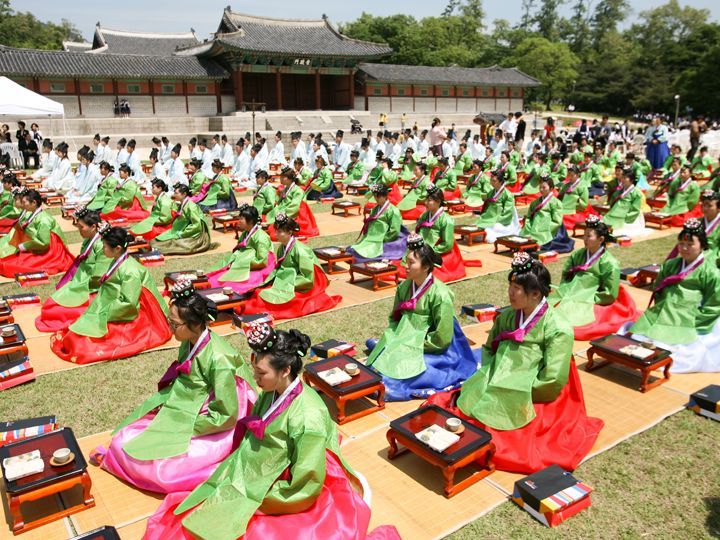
x=491, y=76
x=33, y=62
x=76, y=46
x=107, y=40
x=292, y=36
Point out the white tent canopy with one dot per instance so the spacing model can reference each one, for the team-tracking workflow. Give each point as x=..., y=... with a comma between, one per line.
x=16, y=100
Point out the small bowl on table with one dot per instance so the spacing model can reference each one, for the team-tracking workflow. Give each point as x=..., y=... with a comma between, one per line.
x=352, y=369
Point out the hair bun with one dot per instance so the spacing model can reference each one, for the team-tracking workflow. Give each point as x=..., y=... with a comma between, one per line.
x=300, y=341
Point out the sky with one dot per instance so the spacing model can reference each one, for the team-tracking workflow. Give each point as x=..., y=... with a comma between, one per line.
x=204, y=15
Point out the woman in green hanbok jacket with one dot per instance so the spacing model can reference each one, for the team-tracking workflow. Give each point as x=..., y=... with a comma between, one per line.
x=446, y=179
x=711, y=220
x=590, y=297
x=303, y=173
x=265, y=197
x=498, y=216
x=355, y=169
x=423, y=350
x=251, y=261
x=685, y=306
x=625, y=215
x=322, y=184
x=291, y=202
x=216, y=193
x=534, y=171
x=575, y=198
x=189, y=232
x=411, y=206
x=106, y=187
x=383, y=235
x=408, y=165
x=558, y=170
x=126, y=317
x=126, y=201
x=8, y=211
x=35, y=242
x=177, y=437
x=478, y=187
x=544, y=221
x=197, y=176
x=287, y=476
x=701, y=164
x=527, y=392
x=161, y=215
x=683, y=195
x=80, y=283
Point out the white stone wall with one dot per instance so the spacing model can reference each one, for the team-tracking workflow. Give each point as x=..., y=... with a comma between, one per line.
x=69, y=102
x=202, y=105
x=424, y=104
x=228, y=103
x=402, y=105
x=468, y=105
x=99, y=106
x=169, y=106
x=379, y=104
x=485, y=105
x=359, y=103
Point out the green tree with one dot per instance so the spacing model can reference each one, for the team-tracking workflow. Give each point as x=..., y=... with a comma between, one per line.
x=391, y=30
x=547, y=18
x=608, y=14
x=21, y=29
x=553, y=64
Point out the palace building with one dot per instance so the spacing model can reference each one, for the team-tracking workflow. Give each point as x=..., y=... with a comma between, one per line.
x=279, y=64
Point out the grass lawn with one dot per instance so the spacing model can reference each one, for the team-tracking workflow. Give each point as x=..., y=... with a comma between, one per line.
x=662, y=483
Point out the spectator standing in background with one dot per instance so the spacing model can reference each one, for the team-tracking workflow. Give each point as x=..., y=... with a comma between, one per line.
x=520, y=129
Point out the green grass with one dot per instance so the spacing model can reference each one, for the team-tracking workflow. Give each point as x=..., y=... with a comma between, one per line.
x=662, y=483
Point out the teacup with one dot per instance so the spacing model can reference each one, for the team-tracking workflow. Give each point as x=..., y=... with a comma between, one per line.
x=227, y=291
x=453, y=424
x=61, y=455
x=352, y=368
x=199, y=272
x=7, y=331
x=139, y=239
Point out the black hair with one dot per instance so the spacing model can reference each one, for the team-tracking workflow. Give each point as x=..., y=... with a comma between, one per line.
x=131, y=143
x=421, y=166
x=125, y=168
x=535, y=279
x=90, y=156
x=261, y=174
x=158, y=183
x=289, y=173
x=155, y=140
x=698, y=233
x=288, y=351
x=547, y=179
x=437, y=195
x=428, y=257
x=602, y=229
x=90, y=218
x=193, y=141
x=192, y=309
x=33, y=195
x=288, y=225
x=182, y=188
x=116, y=237
x=249, y=213
x=10, y=178
x=631, y=175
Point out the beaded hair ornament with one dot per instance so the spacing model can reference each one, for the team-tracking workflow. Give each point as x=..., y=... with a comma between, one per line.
x=693, y=226
x=261, y=337
x=521, y=263
x=593, y=221
x=81, y=212
x=415, y=241
x=281, y=217
x=431, y=188
x=710, y=195
x=182, y=289
x=244, y=206
x=379, y=189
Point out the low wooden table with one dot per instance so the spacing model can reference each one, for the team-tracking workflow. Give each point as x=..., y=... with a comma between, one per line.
x=659, y=219
x=580, y=226
x=609, y=347
x=107, y=532
x=331, y=259
x=137, y=246
x=51, y=481
x=14, y=346
x=469, y=233
x=388, y=274
x=600, y=208
x=346, y=207
x=52, y=198
x=67, y=212
x=646, y=275
x=357, y=190
x=475, y=447
x=200, y=281
x=514, y=244
x=657, y=203
x=227, y=221
x=225, y=307
x=362, y=385
x=455, y=206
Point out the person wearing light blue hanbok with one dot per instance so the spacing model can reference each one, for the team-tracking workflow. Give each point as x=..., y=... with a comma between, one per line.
x=49, y=161
x=215, y=148
x=205, y=157
x=133, y=161
x=87, y=180
x=122, y=154
x=277, y=154
x=341, y=153
x=61, y=179
x=299, y=150
x=656, y=138
x=175, y=168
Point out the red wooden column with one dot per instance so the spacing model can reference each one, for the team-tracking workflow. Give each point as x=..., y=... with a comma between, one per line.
x=185, y=95
x=218, y=97
x=318, y=102
x=237, y=80
x=351, y=81
x=278, y=89
x=152, y=93
x=76, y=82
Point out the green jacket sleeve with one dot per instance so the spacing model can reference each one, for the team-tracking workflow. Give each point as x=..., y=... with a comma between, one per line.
x=709, y=312
x=555, y=368
x=39, y=234
x=442, y=319
x=609, y=285
x=194, y=217
x=447, y=235
x=222, y=412
x=305, y=262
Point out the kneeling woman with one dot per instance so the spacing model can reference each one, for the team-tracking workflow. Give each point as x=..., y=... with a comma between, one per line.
x=35, y=243
x=126, y=317
x=437, y=229
x=287, y=475
x=625, y=215
x=498, y=216
x=590, y=296
x=189, y=232
x=80, y=283
x=251, y=261
x=423, y=350
x=216, y=193
x=125, y=201
x=544, y=221
x=686, y=309
x=683, y=196
x=296, y=286
x=161, y=216
x=291, y=203
x=411, y=206
x=383, y=235
x=322, y=184
x=527, y=393
x=177, y=437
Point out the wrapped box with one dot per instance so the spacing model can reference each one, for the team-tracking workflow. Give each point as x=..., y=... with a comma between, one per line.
x=548, y=257
x=628, y=274
x=16, y=430
x=218, y=212
x=551, y=495
x=327, y=200
x=330, y=348
x=243, y=321
x=15, y=373
x=29, y=279
x=150, y=258
x=479, y=312
x=624, y=241
x=19, y=300
x=706, y=402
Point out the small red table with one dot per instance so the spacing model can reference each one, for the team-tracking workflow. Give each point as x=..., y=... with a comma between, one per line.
x=388, y=274
x=200, y=281
x=225, y=307
x=469, y=233
x=333, y=258
x=659, y=219
x=516, y=243
x=227, y=221
x=362, y=385
x=455, y=206
x=646, y=275
x=475, y=446
x=346, y=207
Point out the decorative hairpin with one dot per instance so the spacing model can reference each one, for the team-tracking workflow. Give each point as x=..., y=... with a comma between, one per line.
x=379, y=189
x=693, y=225
x=218, y=163
x=522, y=262
x=431, y=188
x=593, y=221
x=710, y=195
x=104, y=228
x=261, y=337
x=281, y=217
x=17, y=191
x=182, y=289
x=81, y=212
x=415, y=241
x=244, y=206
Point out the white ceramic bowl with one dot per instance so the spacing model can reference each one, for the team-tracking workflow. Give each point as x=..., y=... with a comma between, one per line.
x=61, y=455
x=227, y=290
x=453, y=424
x=352, y=368
x=7, y=331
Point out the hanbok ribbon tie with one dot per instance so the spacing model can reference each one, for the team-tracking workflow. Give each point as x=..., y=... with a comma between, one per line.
x=204, y=189
x=474, y=180
x=570, y=188
x=411, y=303
x=244, y=242
x=32, y=216
x=19, y=218
x=76, y=263
x=623, y=194
x=709, y=228
x=257, y=425
x=493, y=199
x=287, y=249
x=523, y=328
x=429, y=223
x=374, y=217
x=541, y=205
x=677, y=278
x=681, y=187
x=121, y=259
x=417, y=182
x=583, y=267
x=184, y=367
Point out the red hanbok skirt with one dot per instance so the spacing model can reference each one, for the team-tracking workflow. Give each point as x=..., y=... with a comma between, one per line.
x=414, y=213
x=452, y=269
x=148, y=330
x=570, y=220
x=609, y=319
x=450, y=195
x=339, y=513
x=156, y=231
x=305, y=219
x=6, y=224
x=313, y=301
x=54, y=317
x=561, y=433
x=514, y=188
x=135, y=213
x=679, y=220
x=55, y=260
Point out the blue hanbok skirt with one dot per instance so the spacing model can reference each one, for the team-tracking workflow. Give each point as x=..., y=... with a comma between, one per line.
x=657, y=154
x=444, y=371
x=331, y=191
x=392, y=251
x=562, y=243
x=228, y=204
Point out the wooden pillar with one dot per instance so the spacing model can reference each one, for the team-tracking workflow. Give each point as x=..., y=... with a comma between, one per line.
x=278, y=89
x=495, y=97
x=218, y=97
x=509, y=93
x=412, y=90
x=152, y=94
x=351, y=79
x=35, y=84
x=76, y=82
x=456, y=98
x=389, y=88
x=237, y=80
x=366, y=91
x=318, y=102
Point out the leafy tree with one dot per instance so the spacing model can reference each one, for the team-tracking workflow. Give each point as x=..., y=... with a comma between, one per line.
x=608, y=14
x=547, y=18
x=21, y=29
